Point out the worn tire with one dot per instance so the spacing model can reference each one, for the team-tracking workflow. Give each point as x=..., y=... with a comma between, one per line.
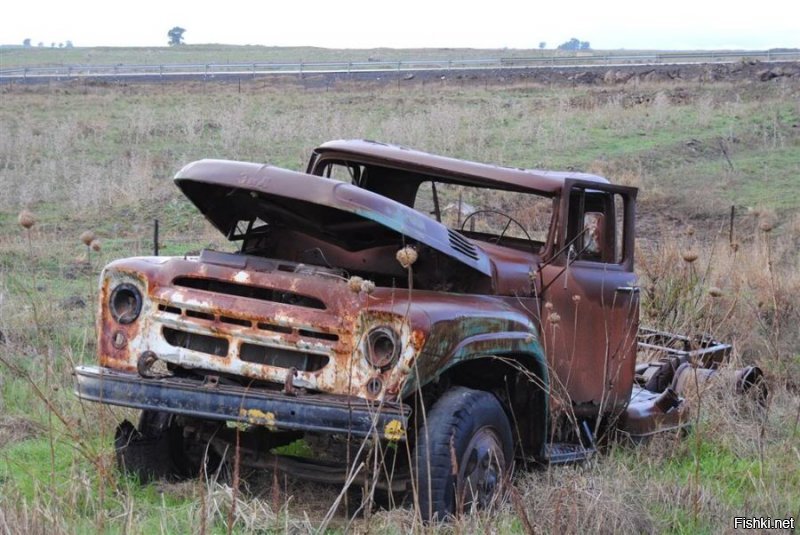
x=461, y=423
x=157, y=450
x=146, y=457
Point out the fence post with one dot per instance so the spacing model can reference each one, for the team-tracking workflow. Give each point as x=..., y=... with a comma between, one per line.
x=155, y=237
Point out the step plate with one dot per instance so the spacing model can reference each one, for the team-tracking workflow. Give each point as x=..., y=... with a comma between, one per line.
x=564, y=453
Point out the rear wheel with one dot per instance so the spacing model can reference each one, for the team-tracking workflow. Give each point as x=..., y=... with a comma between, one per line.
x=463, y=455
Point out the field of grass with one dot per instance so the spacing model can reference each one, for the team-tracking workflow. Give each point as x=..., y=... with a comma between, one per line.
x=10, y=57
x=101, y=158
x=219, y=54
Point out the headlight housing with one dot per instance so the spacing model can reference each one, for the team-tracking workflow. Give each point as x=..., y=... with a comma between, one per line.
x=125, y=303
x=383, y=347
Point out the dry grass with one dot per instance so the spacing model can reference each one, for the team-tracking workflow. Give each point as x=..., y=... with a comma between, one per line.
x=100, y=158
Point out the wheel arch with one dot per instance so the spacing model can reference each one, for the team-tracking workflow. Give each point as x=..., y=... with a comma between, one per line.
x=520, y=382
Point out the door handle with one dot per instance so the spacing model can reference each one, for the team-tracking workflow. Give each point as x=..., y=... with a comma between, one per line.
x=628, y=289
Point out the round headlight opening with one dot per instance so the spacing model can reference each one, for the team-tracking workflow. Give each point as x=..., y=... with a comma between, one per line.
x=383, y=347
x=125, y=303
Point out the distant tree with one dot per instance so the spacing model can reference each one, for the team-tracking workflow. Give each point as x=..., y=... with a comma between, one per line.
x=69, y=44
x=575, y=44
x=572, y=44
x=27, y=43
x=542, y=45
x=60, y=45
x=53, y=44
x=40, y=44
x=176, y=36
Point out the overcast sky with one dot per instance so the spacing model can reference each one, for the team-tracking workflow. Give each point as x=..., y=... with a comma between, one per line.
x=674, y=24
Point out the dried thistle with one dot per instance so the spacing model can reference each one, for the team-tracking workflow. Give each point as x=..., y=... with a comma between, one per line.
x=26, y=219
x=576, y=299
x=766, y=226
x=354, y=283
x=689, y=256
x=87, y=237
x=554, y=318
x=532, y=275
x=690, y=230
x=95, y=244
x=367, y=287
x=548, y=305
x=715, y=292
x=735, y=246
x=406, y=256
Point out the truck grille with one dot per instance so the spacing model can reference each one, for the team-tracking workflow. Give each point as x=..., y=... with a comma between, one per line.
x=202, y=343
x=252, y=292
x=242, y=322
x=281, y=358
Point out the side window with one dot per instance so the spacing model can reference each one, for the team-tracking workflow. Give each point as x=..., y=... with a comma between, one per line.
x=595, y=230
x=343, y=172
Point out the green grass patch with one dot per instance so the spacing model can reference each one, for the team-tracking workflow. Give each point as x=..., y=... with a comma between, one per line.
x=730, y=476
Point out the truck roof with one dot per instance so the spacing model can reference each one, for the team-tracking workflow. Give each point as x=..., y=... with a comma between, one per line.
x=479, y=174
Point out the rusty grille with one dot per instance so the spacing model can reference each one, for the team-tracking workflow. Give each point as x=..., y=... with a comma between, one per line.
x=281, y=358
x=252, y=292
x=202, y=343
x=261, y=325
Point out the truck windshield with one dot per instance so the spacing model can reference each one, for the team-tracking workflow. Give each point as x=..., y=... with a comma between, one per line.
x=485, y=213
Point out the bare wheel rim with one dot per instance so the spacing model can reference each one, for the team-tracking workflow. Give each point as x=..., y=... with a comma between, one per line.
x=480, y=470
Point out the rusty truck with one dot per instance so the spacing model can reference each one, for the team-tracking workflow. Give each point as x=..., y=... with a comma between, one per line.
x=458, y=318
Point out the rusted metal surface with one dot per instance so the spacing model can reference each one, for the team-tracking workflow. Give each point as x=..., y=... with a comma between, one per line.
x=344, y=292
x=204, y=181
x=270, y=409
x=550, y=182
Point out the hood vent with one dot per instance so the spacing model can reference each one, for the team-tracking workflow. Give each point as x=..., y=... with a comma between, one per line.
x=462, y=244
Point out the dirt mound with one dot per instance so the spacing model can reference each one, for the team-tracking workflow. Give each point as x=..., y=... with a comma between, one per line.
x=600, y=75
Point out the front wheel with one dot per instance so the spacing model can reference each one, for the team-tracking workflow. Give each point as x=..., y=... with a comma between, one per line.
x=463, y=455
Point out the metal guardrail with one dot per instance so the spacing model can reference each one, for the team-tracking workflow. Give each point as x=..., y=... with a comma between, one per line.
x=263, y=68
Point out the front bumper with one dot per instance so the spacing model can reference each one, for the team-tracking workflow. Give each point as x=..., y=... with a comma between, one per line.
x=315, y=413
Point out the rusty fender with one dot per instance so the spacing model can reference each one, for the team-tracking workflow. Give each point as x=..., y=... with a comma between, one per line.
x=319, y=413
x=476, y=327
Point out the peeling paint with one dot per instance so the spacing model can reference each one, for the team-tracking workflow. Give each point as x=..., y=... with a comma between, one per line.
x=257, y=417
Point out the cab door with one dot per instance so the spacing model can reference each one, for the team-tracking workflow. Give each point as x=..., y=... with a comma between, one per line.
x=590, y=299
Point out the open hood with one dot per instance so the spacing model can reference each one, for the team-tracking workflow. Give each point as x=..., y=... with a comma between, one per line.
x=229, y=192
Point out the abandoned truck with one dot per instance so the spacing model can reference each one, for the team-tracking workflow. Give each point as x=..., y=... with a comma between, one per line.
x=454, y=316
